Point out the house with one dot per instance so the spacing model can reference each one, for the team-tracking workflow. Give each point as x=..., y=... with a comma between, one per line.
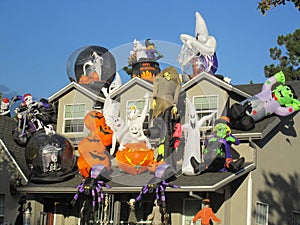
x=265, y=191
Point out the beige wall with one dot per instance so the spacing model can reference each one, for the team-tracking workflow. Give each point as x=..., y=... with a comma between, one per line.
x=276, y=180
x=73, y=97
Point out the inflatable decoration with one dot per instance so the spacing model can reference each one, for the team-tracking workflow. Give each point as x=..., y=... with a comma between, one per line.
x=158, y=184
x=93, y=149
x=166, y=89
x=142, y=60
x=198, y=53
x=33, y=117
x=135, y=158
x=92, y=152
x=206, y=214
x=51, y=158
x=5, y=107
x=111, y=108
x=94, y=66
x=91, y=189
x=191, y=131
x=217, y=155
x=136, y=120
x=280, y=101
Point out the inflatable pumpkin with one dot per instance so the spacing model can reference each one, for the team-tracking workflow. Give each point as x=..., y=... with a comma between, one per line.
x=93, y=152
x=83, y=167
x=105, y=134
x=93, y=120
x=135, y=158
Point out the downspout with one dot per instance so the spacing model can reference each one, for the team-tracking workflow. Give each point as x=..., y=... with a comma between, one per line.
x=250, y=183
x=249, y=199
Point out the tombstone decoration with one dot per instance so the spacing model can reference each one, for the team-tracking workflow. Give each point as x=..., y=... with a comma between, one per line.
x=94, y=66
x=50, y=158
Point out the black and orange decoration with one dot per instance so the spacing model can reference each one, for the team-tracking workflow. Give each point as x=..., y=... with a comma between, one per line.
x=146, y=70
x=93, y=148
x=135, y=158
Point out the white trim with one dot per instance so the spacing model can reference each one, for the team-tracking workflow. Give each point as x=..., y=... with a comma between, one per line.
x=14, y=161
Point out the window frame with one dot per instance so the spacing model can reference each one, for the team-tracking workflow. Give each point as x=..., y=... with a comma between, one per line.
x=72, y=118
x=207, y=111
x=295, y=217
x=259, y=215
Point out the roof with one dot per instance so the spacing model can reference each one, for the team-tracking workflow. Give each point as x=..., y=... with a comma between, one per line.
x=120, y=182
x=203, y=182
x=7, y=125
x=85, y=89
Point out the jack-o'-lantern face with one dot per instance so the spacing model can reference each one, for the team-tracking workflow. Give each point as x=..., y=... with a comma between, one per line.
x=135, y=158
x=94, y=119
x=93, y=152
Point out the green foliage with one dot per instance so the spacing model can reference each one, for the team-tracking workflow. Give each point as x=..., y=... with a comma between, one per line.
x=265, y=5
x=288, y=55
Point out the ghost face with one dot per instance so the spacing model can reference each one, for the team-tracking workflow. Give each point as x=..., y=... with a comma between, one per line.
x=118, y=123
x=135, y=132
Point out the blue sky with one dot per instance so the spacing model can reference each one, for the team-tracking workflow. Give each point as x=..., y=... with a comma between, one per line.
x=37, y=37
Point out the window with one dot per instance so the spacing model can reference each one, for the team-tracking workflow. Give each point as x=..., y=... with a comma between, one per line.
x=205, y=105
x=190, y=207
x=261, y=214
x=296, y=218
x=2, y=205
x=140, y=105
x=74, y=118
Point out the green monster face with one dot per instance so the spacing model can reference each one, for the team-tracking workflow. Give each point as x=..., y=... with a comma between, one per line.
x=284, y=95
x=221, y=130
x=167, y=75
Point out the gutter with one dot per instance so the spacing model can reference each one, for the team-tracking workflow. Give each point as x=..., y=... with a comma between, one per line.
x=14, y=161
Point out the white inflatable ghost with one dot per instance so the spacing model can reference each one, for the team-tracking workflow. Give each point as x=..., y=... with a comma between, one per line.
x=192, y=137
x=136, y=120
x=202, y=43
x=111, y=108
x=139, y=50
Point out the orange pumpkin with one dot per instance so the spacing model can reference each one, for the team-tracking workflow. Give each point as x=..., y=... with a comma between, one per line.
x=93, y=152
x=94, y=76
x=94, y=119
x=84, y=80
x=153, y=165
x=105, y=134
x=134, y=158
x=83, y=167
